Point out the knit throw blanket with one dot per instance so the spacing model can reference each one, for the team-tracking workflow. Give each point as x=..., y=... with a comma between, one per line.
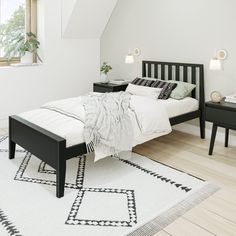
x=108, y=127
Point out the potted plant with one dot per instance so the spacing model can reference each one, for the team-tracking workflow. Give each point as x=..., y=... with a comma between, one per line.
x=24, y=46
x=27, y=48
x=105, y=68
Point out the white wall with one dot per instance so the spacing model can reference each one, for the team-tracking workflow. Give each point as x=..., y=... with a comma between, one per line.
x=169, y=30
x=70, y=67
x=67, y=8
x=87, y=19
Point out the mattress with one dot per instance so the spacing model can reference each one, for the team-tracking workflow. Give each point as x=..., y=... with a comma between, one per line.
x=71, y=129
x=174, y=108
x=179, y=107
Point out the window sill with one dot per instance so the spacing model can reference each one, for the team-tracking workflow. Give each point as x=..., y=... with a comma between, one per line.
x=19, y=65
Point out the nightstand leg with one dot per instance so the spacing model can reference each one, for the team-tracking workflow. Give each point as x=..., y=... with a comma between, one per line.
x=213, y=137
x=202, y=126
x=226, y=137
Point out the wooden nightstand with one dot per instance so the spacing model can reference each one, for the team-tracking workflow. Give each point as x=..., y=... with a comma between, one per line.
x=109, y=87
x=221, y=114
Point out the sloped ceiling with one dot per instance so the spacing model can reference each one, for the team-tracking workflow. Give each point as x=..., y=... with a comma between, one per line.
x=85, y=18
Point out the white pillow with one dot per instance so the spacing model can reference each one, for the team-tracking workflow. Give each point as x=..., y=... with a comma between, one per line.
x=144, y=91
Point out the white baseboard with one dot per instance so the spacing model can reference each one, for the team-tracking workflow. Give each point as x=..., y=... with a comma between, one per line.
x=195, y=130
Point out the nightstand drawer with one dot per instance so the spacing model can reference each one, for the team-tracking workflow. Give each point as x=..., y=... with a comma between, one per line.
x=120, y=88
x=109, y=87
x=100, y=89
x=220, y=116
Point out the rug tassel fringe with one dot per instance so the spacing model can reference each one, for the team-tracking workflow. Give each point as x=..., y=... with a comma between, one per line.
x=166, y=218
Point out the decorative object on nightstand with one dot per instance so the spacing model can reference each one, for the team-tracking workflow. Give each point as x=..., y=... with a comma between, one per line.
x=109, y=87
x=105, y=68
x=231, y=98
x=221, y=114
x=216, y=96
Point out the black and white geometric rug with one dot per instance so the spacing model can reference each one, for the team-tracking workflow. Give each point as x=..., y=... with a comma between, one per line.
x=110, y=197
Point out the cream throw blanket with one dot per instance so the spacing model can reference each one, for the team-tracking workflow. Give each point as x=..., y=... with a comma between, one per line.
x=108, y=127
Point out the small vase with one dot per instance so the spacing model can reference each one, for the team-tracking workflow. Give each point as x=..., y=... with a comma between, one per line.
x=104, y=78
x=27, y=58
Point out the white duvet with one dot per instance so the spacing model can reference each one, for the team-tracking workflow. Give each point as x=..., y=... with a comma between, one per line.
x=149, y=119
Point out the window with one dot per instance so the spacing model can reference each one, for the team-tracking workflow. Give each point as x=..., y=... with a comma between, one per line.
x=16, y=18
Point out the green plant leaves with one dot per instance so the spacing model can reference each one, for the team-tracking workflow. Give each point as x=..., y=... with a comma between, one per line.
x=13, y=39
x=105, y=68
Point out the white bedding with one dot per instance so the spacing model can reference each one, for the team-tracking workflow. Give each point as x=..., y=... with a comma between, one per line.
x=179, y=107
x=72, y=129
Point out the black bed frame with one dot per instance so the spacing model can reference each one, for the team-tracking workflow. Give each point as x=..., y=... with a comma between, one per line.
x=52, y=149
x=192, y=73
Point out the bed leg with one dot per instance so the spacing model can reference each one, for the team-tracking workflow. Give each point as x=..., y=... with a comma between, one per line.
x=61, y=168
x=61, y=175
x=12, y=145
x=12, y=149
x=202, y=126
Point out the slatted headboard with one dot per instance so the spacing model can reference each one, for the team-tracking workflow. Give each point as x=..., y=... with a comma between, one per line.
x=192, y=73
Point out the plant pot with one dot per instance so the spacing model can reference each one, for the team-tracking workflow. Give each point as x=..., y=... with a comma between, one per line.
x=27, y=58
x=104, y=78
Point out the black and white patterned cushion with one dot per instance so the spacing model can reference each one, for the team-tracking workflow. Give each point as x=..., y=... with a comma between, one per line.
x=167, y=87
x=143, y=82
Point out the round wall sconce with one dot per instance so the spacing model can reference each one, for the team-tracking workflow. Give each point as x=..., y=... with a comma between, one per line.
x=222, y=54
x=136, y=52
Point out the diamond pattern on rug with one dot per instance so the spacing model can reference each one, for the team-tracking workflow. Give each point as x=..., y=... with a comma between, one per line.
x=81, y=197
x=72, y=220
x=42, y=169
x=5, y=139
x=74, y=214
x=109, y=197
x=23, y=167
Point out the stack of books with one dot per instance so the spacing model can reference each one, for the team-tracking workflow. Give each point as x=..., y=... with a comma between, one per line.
x=231, y=98
x=120, y=82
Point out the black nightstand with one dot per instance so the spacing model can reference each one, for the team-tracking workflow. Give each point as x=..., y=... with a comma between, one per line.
x=221, y=114
x=109, y=87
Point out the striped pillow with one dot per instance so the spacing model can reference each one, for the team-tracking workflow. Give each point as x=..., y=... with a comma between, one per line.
x=143, y=82
x=167, y=87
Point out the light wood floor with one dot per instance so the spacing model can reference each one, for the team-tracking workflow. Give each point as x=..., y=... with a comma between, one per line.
x=217, y=214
